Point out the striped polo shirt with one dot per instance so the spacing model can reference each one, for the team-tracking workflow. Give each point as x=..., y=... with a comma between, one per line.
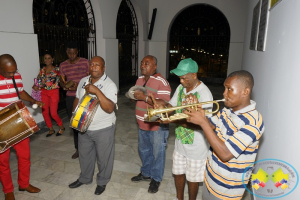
x=160, y=88
x=74, y=72
x=240, y=131
x=8, y=93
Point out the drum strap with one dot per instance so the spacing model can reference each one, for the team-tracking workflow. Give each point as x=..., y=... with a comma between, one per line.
x=15, y=85
x=148, y=79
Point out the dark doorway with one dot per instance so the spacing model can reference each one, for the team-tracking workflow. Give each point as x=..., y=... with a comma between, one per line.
x=56, y=22
x=201, y=32
x=127, y=34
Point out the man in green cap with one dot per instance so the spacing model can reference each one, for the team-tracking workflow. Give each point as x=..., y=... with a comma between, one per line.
x=191, y=147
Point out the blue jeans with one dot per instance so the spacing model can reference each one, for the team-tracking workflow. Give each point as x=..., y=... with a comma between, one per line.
x=152, y=150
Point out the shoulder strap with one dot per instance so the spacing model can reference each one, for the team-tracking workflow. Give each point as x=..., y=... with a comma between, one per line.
x=148, y=79
x=15, y=85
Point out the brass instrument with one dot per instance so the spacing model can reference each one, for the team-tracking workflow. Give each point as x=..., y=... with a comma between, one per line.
x=162, y=113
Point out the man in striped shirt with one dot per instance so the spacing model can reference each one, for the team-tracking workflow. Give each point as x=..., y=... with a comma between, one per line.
x=152, y=140
x=233, y=135
x=73, y=69
x=8, y=95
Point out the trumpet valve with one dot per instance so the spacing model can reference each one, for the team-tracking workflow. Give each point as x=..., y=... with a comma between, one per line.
x=178, y=116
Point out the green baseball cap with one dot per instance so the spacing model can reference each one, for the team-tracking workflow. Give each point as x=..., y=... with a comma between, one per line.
x=185, y=66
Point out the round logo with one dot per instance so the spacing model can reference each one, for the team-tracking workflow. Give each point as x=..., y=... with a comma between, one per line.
x=270, y=178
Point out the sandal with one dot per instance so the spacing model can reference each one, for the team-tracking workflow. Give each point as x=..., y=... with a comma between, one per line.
x=60, y=132
x=51, y=132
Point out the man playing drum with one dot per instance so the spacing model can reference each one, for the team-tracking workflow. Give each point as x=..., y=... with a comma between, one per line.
x=8, y=95
x=98, y=141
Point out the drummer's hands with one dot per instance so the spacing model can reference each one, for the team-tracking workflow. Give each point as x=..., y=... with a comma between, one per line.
x=39, y=103
x=89, y=88
x=74, y=87
x=139, y=95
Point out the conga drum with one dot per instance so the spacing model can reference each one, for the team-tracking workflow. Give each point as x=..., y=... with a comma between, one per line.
x=84, y=113
x=16, y=124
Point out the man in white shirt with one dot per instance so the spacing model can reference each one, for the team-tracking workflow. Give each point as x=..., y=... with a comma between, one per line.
x=98, y=141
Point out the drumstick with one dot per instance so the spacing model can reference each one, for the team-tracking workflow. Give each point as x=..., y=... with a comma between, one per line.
x=89, y=82
x=4, y=111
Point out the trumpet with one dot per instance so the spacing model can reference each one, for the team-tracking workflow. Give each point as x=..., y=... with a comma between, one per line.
x=162, y=113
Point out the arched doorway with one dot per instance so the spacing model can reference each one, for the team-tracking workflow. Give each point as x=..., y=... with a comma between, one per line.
x=201, y=32
x=127, y=34
x=56, y=22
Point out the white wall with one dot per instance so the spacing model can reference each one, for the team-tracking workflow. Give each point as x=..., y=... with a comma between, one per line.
x=276, y=91
x=234, y=11
x=158, y=49
x=107, y=44
x=19, y=14
x=106, y=11
x=141, y=10
x=17, y=39
x=16, y=16
x=112, y=61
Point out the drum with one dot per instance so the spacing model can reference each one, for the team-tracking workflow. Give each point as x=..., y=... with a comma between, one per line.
x=84, y=113
x=16, y=124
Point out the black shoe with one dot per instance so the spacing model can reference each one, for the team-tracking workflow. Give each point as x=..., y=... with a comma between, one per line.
x=75, y=155
x=153, y=188
x=140, y=177
x=76, y=184
x=100, y=189
x=51, y=132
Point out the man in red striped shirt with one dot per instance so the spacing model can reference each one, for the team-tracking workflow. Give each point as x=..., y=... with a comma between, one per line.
x=153, y=136
x=8, y=95
x=75, y=68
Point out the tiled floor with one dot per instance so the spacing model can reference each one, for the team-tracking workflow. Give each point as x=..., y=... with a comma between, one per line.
x=52, y=168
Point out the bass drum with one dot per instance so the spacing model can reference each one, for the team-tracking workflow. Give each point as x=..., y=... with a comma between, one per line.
x=16, y=124
x=84, y=113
